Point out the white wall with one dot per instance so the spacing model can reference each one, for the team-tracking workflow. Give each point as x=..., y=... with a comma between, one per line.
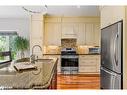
x=21, y=25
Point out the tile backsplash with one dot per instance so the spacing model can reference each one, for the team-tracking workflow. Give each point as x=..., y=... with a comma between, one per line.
x=68, y=43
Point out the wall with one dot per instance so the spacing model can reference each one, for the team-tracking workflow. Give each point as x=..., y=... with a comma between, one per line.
x=125, y=51
x=15, y=24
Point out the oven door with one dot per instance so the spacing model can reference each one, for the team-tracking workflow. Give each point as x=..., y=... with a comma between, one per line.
x=67, y=61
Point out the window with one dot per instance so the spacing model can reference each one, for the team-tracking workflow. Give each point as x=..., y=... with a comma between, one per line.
x=6, y=40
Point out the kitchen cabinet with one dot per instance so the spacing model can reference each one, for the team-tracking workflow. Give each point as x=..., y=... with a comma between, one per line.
x=89, y=64
x=52, y=34
x=88, y=34
x=36, y=33
x=59, y=61
x=89, y=37
x=97, y=34
x=86, y=30
x=81, y=34
x=68, y=30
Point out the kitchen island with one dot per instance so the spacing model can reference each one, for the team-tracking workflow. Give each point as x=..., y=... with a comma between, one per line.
x=43, y=77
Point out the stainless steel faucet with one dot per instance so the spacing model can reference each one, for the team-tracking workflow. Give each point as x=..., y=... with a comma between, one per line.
x=33, y=56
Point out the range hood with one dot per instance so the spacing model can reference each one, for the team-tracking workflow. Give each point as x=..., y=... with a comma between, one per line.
x=68, y=31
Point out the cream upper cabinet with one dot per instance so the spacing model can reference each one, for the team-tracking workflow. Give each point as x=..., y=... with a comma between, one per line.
x=52, y=33
x=68, y=30
x=36, y=33
x=89, y=34
x=81, y=34
x=97, y=34
x=84, y=30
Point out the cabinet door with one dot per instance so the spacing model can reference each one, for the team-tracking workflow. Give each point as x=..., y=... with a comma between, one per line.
x=97, y=34
x=68, y=30
x=89, y=37
x=53, y=34
x=88, y=69
x=81, y=34
x=89, y=64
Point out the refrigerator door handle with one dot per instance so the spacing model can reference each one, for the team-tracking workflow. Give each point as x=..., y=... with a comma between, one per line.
x=111, y=73
x=115, y=41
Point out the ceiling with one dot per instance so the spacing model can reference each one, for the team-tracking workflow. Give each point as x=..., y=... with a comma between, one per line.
x=18, y=12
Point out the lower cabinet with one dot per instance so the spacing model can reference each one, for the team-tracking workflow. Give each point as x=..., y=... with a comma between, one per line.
x=59, y=61
x=89, y=64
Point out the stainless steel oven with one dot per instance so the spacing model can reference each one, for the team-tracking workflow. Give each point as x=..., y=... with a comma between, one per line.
x=69, y=61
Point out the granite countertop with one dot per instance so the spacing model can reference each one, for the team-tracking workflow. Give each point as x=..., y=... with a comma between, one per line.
x=39, y=78
x=51, y=54
x=77, y=54
x=90, y=54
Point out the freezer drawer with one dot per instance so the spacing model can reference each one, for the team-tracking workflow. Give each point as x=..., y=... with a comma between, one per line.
x=110, y=80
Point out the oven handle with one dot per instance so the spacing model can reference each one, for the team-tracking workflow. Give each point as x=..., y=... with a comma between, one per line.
x=68, y=57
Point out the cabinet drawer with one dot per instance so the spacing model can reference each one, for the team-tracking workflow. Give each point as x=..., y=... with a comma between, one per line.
x=88, y=58
x=87, y=63
x=83, y=60
x=88, y=69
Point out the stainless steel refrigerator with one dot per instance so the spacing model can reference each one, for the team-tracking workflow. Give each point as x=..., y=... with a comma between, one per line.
x=111, y=56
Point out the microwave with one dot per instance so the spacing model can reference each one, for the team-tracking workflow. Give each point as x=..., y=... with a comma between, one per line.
x=94, y=50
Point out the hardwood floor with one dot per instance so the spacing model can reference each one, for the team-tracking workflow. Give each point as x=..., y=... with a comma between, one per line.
x=78, y=81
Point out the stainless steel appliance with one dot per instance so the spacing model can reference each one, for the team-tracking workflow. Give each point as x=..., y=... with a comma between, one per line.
x=94, y=50
x=111, y=56
x=69, y=61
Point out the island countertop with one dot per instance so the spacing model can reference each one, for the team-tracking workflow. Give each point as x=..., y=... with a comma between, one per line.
x=40, y=78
